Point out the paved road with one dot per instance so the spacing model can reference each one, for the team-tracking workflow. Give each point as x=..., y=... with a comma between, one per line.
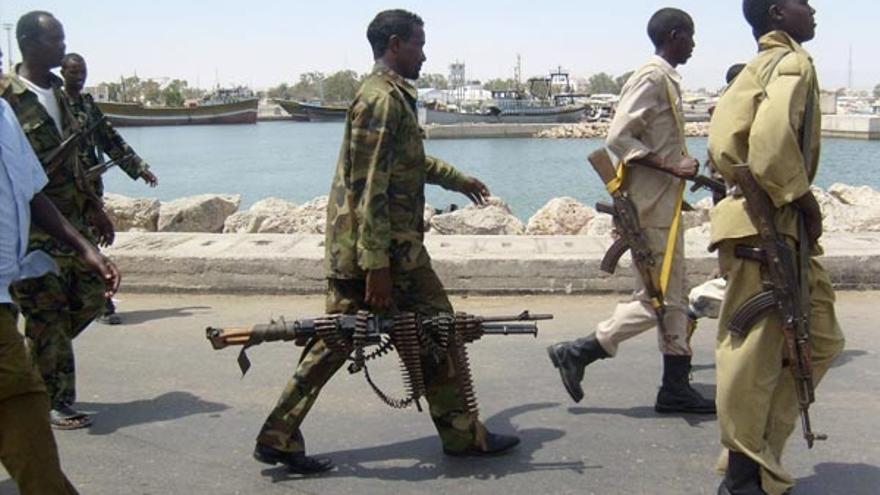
x=174, y=416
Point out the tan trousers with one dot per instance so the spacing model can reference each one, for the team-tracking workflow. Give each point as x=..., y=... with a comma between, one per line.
x=27, y=447
x=756, y=398
x=637, y=316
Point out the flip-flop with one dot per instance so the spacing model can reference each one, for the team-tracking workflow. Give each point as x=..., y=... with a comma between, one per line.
x=68, y=418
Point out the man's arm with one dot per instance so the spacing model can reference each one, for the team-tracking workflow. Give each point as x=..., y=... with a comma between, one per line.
x=111, y=142
x=448, y=177
x=47, y=217
x=373, y=124
x=775, y=157
x=635, y=109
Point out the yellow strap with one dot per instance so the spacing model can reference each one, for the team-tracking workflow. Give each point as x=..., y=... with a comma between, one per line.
x=615, y=184
x=676, y=220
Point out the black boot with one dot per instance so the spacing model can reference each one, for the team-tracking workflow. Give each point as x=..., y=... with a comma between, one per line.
x=296, y=462
x=571, y=358
x=743, y=476
x=496, y=444
x=676, y=395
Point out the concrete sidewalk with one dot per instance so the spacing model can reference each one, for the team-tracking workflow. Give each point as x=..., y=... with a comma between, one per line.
x=293, y=264
x=174, y=417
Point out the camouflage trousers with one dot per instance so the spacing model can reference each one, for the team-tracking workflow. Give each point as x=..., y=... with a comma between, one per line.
x=57, y=308
x=418, y=291
x=27, y=446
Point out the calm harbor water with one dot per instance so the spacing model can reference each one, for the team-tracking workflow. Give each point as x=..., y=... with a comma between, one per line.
x=295, y=161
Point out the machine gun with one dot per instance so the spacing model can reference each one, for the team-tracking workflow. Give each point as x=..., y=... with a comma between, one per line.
x=407, y=333
x=787, y=291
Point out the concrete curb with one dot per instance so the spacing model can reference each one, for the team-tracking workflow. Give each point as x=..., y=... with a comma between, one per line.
x=293, y=264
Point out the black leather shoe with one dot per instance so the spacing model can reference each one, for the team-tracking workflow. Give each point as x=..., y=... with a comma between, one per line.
x=570, y=358
x=676, y=394
x=496, y=445
x=296, y=462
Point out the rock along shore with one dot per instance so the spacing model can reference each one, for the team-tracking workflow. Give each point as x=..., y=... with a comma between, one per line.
x=277, y=247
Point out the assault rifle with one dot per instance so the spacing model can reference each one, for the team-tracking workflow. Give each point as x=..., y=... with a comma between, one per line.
x=788, y=291
x=631, y=237
x=55, y=158
x=99, y=169
x=407, y=333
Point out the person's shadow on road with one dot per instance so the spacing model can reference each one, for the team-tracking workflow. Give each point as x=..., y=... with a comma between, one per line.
x=142, y=316
x=111, y=417
x=834, y=477
x=422, y=459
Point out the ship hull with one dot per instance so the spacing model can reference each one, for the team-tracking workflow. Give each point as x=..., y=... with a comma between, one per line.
x=130, y=115
x=550, y=115
x=312, y=113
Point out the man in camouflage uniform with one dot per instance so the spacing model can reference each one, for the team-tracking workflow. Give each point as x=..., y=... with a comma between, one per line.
x=104, y=140
x=375, y=258
x=57, y=307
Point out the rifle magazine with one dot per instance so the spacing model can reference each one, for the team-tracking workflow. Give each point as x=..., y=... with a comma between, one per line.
x=751, y=311
x=613, y=255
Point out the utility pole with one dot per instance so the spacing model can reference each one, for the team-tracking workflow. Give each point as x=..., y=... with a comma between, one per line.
x=850, y=71
x=9, y=62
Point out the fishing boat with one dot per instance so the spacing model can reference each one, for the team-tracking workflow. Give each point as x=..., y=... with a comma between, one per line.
x=516, y=106
x=225, y=106
x=311, y=112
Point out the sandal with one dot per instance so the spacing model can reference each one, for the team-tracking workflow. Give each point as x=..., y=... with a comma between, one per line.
x=68, y=418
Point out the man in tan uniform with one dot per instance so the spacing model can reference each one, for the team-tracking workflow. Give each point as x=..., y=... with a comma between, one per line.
x=647, y=136
x=769, y=118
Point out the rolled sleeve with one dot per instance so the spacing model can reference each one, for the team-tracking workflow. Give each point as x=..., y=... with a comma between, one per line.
x=630, y=121
x=775, y=156
x=372, y=154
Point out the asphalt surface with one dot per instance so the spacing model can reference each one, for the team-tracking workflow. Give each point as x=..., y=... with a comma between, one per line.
x=173, y=416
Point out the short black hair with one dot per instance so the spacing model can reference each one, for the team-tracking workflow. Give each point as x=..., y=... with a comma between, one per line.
x=388, y=23
x=72, y=57
x=733, y=71
x=664, y=21
x=29, y=26
x=757, y=13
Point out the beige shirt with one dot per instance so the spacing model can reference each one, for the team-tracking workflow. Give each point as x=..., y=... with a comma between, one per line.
x=759, y=120
x=645, y=123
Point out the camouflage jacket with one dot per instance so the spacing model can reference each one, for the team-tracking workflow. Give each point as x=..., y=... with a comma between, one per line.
x=67, y=186
x=104, y=140
x=377, y=201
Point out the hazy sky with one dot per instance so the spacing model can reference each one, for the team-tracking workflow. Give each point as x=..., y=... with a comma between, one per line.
x=264, y=42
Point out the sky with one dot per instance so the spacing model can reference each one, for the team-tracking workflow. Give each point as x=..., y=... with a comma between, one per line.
x=261, y=43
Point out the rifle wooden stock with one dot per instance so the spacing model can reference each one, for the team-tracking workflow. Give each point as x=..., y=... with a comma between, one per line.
x=603, y=165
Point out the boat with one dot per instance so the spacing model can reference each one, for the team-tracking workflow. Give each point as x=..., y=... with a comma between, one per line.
x=516, y=106
x=313, y=112
x=234, y=106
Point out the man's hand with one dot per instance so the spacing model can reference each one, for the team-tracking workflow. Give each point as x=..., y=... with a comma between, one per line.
x=150, y=178
x=103, y=266
x=685, y=168
x=475, y=190
x=379, y=289
x=106, y=231
x=812, y=212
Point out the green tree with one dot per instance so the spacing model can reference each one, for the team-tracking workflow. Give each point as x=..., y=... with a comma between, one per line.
x=172, y=95
x=499, y=84
x=341, y=86
x=602, y=83
x=309, y=87
x=877, y=91
x=436, y=81
x=622, y=79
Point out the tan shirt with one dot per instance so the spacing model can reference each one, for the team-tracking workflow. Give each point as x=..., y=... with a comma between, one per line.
x=759, y=120
x=644, y=123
